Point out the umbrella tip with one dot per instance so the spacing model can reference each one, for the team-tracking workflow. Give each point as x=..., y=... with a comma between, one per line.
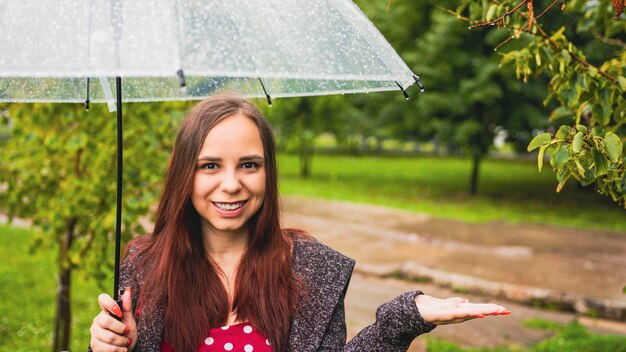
x=181, y=79
x=418, y=82
x=87, y=97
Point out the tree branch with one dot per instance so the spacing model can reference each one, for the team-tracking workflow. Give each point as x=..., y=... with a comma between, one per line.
x=547, y=9
x=497, y=20
x=542, y=34
x=610, y=41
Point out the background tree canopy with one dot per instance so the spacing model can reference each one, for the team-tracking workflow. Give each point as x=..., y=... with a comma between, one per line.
x=58, y=170
x=583, y=53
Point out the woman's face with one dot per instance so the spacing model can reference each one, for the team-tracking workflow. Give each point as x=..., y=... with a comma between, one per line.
x=229, y=182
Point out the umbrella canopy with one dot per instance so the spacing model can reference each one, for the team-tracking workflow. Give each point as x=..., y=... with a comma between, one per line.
x=259, y=48
x=77, y=50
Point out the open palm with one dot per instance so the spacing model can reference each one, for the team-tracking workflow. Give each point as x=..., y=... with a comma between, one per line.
x=455, y=309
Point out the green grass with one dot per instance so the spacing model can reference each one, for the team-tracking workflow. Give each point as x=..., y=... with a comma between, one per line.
x=509, y=190
x=569, y=338
x=28, y=291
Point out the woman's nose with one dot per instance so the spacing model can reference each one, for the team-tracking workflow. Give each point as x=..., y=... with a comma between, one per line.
x=230, y=182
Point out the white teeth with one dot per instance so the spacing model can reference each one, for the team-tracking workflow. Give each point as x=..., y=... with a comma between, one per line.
x=229, y=206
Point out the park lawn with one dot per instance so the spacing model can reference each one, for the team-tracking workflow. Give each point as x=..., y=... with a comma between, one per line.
x=572, y=337
x=509, y=190
x=28, y=291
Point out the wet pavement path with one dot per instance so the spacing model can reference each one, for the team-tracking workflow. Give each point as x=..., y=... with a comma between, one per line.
x=515, y=263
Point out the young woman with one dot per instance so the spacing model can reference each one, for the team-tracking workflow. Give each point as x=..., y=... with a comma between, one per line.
x=219, y=273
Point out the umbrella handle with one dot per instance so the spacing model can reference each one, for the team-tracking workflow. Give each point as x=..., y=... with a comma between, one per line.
x=118, y=301
x=117, y=292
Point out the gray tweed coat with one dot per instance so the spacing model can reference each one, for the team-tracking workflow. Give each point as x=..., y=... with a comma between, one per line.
x=320, y=324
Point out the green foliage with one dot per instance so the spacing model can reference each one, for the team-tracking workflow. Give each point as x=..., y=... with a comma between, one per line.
x=60, y=164
x=584, y=53
x=469, y=98
x=59, y=171
x=299, y=121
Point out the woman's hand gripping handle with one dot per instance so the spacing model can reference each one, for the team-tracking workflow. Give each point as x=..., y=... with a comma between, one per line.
x=114, y=329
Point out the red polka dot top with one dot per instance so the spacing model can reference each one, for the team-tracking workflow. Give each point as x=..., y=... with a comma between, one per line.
x=231, y=338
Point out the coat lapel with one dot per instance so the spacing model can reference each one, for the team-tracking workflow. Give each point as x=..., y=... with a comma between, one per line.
x=323, y=276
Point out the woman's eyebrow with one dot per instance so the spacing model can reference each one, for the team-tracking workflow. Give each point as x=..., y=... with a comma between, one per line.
x=209, y=158
x=253, y=157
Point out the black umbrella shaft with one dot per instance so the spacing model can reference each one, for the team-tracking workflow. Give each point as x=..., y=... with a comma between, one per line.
x=118, y=215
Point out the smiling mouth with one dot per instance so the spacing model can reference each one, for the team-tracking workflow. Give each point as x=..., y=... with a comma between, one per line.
x=229, y=206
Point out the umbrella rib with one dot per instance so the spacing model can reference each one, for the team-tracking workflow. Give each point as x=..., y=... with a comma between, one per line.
x=179, y=36
x=269, y=100
x=406, y=95
x=245, y=47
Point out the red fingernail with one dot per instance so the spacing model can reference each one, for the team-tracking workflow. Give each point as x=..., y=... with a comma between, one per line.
x=496, y=313
x=127, y=330
x=129, y=341
x=116, y=310
x=506, y=312
x=480, y=316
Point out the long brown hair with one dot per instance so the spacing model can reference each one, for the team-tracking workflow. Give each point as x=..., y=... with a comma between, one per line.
x=265, y=287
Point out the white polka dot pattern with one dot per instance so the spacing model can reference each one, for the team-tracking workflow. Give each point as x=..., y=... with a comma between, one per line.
x=240, y=337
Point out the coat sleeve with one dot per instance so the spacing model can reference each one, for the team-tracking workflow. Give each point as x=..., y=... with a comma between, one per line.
x=398, y=323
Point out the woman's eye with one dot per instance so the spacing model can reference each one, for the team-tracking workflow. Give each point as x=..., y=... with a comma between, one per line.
x=209, y=166
x=249, y=165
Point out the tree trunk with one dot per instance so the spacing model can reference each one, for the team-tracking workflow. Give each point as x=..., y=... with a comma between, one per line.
x=379, y=144
x=474, y=180
x=63, y=314
x=305, y=161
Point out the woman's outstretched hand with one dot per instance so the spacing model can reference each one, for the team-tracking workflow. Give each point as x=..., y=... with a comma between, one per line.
x=454, y=310
x=109, y=334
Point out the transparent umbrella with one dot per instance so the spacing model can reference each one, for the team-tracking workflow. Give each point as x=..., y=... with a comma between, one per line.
x=77, y=50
